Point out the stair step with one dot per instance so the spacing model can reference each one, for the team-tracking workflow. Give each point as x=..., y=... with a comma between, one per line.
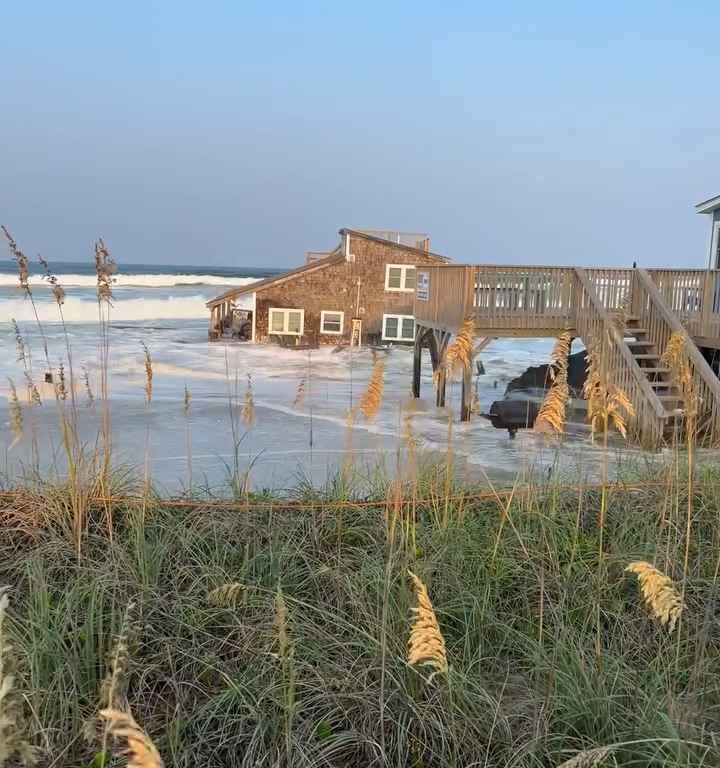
x=668, y=398
x=639, y=343
x=636, y=331
x=661, y=384
x=646, y=357
x=656, y=370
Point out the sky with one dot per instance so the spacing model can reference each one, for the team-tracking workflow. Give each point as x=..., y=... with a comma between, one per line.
x=245, y=133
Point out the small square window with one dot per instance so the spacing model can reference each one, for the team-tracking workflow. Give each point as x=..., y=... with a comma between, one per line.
x=400, y=277
x=398, y=328
x=331, y=322
x=288, y=322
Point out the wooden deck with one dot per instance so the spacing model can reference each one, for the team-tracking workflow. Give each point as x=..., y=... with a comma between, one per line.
x=545, y=301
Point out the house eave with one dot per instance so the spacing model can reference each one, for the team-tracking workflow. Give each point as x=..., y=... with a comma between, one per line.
x=708, y=206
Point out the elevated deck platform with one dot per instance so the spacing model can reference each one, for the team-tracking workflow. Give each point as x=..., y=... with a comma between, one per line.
x=507, y=301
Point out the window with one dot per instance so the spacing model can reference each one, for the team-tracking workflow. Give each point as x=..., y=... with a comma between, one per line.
x=287, y=322
x=332, y=322
x=398, y=328
x=400, y=277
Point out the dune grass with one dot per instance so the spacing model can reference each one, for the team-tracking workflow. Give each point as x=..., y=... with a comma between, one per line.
x=263, y=636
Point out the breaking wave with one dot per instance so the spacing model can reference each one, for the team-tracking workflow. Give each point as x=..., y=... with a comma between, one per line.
x=134, y=281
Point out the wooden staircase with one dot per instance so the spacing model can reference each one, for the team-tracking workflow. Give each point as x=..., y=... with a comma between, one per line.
x=659, y=377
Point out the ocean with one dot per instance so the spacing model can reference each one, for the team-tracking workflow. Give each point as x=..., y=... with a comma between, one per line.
x=163, y=307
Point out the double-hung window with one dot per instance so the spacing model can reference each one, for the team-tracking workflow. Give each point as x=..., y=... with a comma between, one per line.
x=398, y=328
x=332, y=322
x=287, y=322
x=400, y=277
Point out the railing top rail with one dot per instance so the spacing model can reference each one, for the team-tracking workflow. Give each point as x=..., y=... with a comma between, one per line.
x=669, y=270
x=700, y=363
x=624, y=351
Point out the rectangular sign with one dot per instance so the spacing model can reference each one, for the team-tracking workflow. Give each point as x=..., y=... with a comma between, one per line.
x=422, y=286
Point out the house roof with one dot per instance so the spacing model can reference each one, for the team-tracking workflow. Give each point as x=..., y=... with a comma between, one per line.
x=708, y=206
x=336, y=257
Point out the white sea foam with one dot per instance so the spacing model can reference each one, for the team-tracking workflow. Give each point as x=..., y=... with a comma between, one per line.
x=134, y=281
x=86, y=311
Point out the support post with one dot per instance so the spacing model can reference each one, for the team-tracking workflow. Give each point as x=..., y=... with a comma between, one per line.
x=466, y=406
x=417, y=362
x=441, y=381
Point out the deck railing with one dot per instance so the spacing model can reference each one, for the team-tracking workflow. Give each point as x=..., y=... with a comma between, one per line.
x=694, y=296
x=536, y=299
x=661, y=322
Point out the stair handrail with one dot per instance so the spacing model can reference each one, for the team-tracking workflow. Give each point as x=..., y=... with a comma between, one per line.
x=700, y=364
x=611, y=328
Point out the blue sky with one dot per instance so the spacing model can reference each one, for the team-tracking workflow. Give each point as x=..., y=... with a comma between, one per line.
x=246, y=133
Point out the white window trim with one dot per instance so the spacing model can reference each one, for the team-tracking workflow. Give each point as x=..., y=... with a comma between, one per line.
x=286, y=311
x=332, y=312
x=715, y=246
x=400, y=319
x=403, y=272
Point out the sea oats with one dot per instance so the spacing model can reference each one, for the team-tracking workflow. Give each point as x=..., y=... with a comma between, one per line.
x=426, y=645
x=459, y=353
x=16, y=414
x=148, y=363
x=226, y=595
x=659, y=592
x=33, y=394
x=187, y=398
x=248, y=409
x=675, y=357
x=551, y=417
x=21, y=261
x=19, y=343
x=57, y=290
x=606, y=403
x=88, y=388
x=105, y=268
x=372, y=396
x=587, y=758
x=140, y=752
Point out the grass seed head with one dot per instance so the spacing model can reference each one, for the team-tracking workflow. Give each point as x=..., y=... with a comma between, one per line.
x=57, y=290
x=551, y=417
x=372, y=396
x=659, y=593
x=460, y=352
x=426, y=645
x=88, y=388
x=248, y=409
x=20, y=260
x=105, y=268
x=587, y=758
x=139, y=751
x=148, y=363
x=187, y=398
x=226, y=595
x=16, y=414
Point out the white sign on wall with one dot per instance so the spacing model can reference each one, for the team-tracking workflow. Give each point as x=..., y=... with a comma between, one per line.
x=422, y=286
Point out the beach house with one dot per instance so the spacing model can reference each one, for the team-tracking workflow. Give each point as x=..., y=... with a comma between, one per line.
x=362, y=290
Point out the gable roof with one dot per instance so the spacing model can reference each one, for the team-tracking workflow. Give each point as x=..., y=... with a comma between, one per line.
x=336, y=257
x=708, y=206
